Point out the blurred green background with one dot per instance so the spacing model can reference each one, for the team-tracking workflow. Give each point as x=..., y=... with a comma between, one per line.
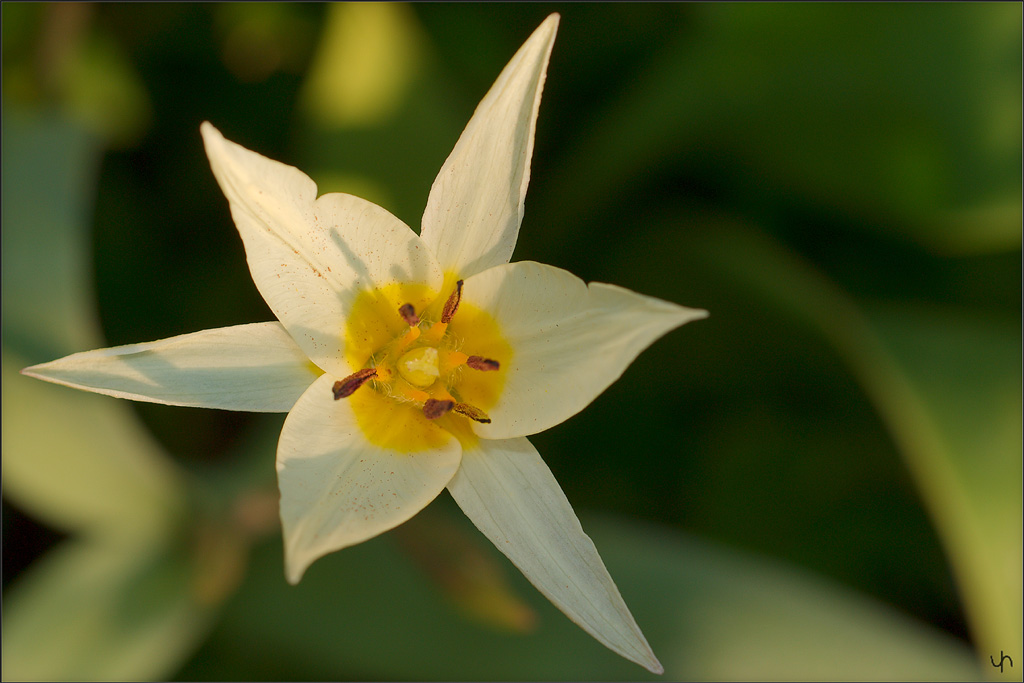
x=821, y=481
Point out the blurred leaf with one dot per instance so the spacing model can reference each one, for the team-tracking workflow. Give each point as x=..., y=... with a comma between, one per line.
x=81, y=462
x=102, y=90
x=906, y=116
x=962, y=403
x=126, y=601
x=49, y=176
x=366, y=58
x=982, y=228
x=75, y=461
x=947, y=383
x=60, y=57
x=378, y=109
x=734, y=616
x=460, y=564
x=93, y=610
x=262, y=38
x=708, y=613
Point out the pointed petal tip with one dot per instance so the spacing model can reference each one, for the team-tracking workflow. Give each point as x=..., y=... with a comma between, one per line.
x=209, y=133
x=685, y=314
x=639, y=652
x=38, y=371
x=654, y=666
x=215, y=144
x=476, y=203
x=212, y=137
x=547, y=30
x=295, y=565
x=214, y=140
x=293, y=574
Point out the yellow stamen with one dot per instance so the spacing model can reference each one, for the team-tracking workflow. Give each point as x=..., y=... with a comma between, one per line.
x=409, y=337
x=435, y=333
x=455, y=358
x=441, y=394
x=450, y=360
x=415, y=395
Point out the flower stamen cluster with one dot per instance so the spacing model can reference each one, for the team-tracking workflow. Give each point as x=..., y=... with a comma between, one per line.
x=422, y=366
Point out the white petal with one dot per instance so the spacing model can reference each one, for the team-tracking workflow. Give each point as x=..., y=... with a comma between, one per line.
x=254, y=368
x=311, y=257
x=338, y=488
x=476, y=203
x=569, y=340
x=512, y=497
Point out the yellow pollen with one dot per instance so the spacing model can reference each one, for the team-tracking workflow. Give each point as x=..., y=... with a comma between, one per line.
x=419, y=366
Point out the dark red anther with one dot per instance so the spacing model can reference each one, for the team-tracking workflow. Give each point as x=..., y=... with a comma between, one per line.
x=433, y=409
x=452, y=304
x=481, y=363
x=408, y=314
x=346, y=387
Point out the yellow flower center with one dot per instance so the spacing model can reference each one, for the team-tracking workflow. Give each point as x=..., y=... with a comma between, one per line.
x=430, y=364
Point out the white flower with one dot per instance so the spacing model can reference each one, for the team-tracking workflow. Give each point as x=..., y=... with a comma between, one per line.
x=410, y=363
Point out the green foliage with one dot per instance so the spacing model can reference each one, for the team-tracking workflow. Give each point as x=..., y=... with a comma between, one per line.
x=711, y=613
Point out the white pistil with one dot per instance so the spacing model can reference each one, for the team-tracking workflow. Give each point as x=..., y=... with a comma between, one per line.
x=419, y=367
